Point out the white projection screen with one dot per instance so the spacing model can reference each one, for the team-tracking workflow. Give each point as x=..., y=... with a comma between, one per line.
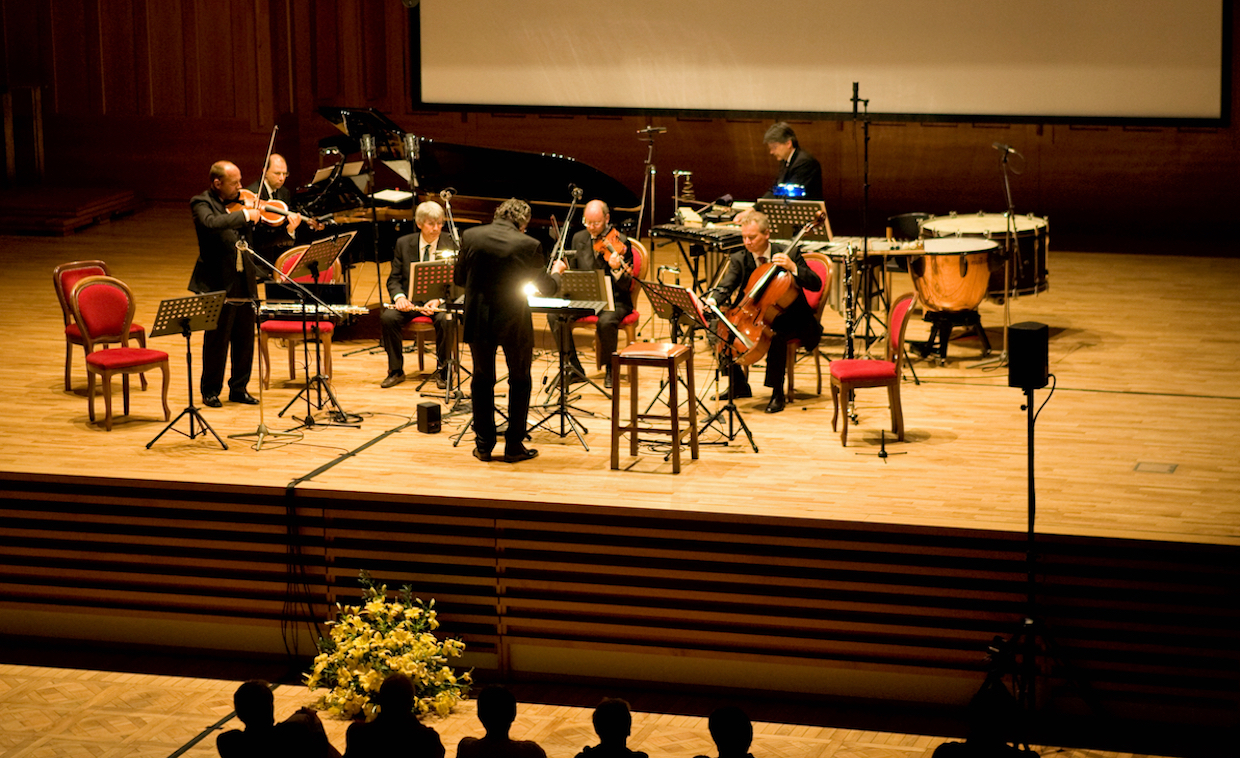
x=1062, y=59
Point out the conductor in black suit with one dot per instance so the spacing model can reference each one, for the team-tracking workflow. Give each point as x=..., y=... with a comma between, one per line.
x=796, y=166
x=221, y=266
x=495, y=264
x=597, y=218
x=427, y=245
x=797, y=320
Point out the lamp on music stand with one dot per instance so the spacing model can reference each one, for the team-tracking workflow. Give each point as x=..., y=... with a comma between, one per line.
x=184, y=315
x=432, y=280
x=319, y=256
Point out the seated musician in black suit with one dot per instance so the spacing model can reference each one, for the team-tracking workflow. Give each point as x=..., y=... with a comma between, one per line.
x=796, y=166
x=427, y=245
x=272, y=240
x=797, y=320
x=597, y=218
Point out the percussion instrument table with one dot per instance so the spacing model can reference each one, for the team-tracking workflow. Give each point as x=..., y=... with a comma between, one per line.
x=710, y=245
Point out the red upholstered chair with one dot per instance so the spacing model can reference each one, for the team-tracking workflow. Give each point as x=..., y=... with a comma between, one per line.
x=291, y=331
x=817, y=299
x=628, y=324
x=64, y=278
x=421, y=328
x=103, y=310
x=851, y=374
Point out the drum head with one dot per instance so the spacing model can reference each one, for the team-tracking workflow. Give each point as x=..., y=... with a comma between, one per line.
x=980, y=225
x=958, y=245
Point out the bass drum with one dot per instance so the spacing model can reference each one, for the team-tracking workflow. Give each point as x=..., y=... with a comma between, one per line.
x=1028, y=266
x=954, y=272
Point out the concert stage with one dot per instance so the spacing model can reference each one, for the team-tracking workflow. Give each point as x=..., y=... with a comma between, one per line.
x=805, y=567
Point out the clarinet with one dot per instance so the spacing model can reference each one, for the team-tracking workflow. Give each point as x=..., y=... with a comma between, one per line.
x=849, y=305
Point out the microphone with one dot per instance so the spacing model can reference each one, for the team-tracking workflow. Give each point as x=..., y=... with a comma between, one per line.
x=411, y=146
x=368, y=145
x=242, y=247
x=447, y=192
x=1005, y=148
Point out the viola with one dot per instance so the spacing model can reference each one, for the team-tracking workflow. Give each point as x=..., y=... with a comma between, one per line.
x=610, y=244
x=769, y=291
x=271, y=212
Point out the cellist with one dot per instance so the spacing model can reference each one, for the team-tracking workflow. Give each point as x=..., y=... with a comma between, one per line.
x=797, y=320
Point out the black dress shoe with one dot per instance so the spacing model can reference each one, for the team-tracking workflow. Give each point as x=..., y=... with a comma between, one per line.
x=211, y=401
x=740, y=390
x=607, y=379
x=525, y=454
x=441, y=382
x=393, y=379
x=482, y=455
x=244, y=398
x=777, y=402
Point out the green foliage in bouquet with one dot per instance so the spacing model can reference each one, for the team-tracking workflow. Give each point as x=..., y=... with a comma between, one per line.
x=385, y=636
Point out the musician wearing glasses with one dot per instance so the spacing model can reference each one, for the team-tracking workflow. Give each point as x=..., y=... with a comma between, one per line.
x=797, y=168
x=270, y=241
x=797, y=320
x=221, y=266
x=496, y=263
x=429, y=244
x=597, y=218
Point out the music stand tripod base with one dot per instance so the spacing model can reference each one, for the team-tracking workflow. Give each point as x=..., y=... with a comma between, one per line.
x=185, y=315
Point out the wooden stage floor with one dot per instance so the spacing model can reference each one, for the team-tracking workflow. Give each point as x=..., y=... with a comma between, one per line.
x=1138, y=441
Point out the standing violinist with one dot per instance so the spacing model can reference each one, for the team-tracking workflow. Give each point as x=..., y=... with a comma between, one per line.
x=797, y=320
x=270, y=240
x=221, y=266
x=590, y=253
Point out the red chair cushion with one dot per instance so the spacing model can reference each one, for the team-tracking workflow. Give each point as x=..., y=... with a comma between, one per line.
x=586, y=320
x=860, y=368
x=423, y=320
x=630, y=319
x=125, y=357
x=293, y=328
x=813, y=296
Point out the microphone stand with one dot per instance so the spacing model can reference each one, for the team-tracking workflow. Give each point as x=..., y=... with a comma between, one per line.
x=648, y=181
x=1009, y=252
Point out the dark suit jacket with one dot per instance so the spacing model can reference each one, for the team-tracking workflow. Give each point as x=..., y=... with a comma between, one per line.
x=218, y=232
x=409, y=251
x=495, y=263
x=588, y=260
x=798, y=318
x=803, y=169
x=283, y=194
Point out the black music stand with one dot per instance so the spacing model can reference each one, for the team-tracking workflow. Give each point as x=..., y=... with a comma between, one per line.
x=677, y=306
x=578, y=285
x=319, y=256
x=790, y=216
x=727, y=361
x=431, y=280
x=196, y=313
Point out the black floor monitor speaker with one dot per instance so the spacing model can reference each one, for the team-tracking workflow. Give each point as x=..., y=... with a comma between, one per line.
x=1028, y=355
x=428, y=417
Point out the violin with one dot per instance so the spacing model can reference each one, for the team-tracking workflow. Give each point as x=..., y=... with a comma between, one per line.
x=768, y=293
x=271, y=212
x=610, y=244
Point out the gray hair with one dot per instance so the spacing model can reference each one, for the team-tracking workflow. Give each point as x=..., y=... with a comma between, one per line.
x=780, y=132
x=514, y=210
x=427, y=211
x=755, y=217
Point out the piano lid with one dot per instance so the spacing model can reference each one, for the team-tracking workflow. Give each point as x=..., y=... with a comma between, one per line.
x=480, y=172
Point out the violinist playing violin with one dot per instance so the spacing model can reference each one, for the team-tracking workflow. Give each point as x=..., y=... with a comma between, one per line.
x=797, y=320
x=270, y=240
x=600, y=246
x=222, y=266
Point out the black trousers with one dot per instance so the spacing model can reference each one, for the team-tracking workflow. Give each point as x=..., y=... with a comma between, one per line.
x=391, y=321
x=785, y=328
x=519, y=355
x=236, y=330
x=607, y=328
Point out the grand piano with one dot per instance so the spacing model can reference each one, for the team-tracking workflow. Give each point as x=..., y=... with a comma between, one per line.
x=481, y=178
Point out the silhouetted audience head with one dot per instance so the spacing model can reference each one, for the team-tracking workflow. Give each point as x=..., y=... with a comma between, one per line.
x=396, y=696
x=731, y=731
x=612, y=720
x=497, y=708
x=254, y=704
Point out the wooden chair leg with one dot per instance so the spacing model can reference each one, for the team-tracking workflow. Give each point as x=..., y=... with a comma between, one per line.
x=90, y=392
x=142, y=344
x=325, y=339
x=68, y=365
x=264, y=360
x=125, y=392
x=845, y=394
x=897, y=413
x=835, y=406
x=107, y=401
x=615, y=414
x=167, y=380
x=292, y=357
x=632, y=408
x=689, y=384
x=818, y=367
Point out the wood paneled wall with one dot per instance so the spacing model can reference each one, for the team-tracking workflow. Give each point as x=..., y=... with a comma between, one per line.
x=145, y=94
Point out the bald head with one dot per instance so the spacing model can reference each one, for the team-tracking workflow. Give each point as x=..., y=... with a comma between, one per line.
x=277, y=171
x=596, y=217
x=225, y=180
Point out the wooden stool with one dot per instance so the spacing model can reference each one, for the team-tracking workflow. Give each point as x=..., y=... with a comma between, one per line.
x=659, y=355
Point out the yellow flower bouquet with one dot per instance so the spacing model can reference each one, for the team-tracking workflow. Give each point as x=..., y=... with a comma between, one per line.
x=384, y=636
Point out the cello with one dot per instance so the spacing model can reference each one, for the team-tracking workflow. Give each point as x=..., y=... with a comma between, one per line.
x=769, y=291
